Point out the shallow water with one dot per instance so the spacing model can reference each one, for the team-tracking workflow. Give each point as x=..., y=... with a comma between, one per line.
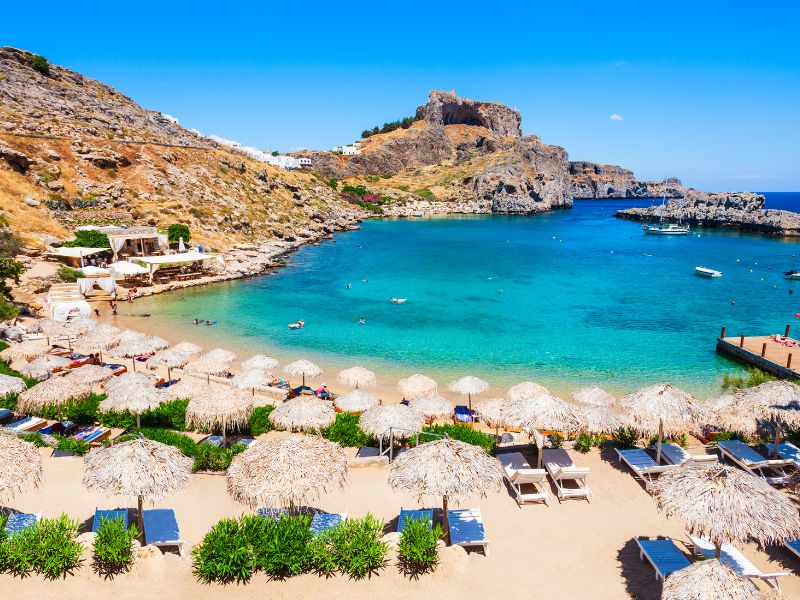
x=571, y=298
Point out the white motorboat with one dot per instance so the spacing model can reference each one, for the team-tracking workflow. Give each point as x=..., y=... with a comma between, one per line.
x=706, y=272
x=791, y=275
x=662, y=228
x=399, y=300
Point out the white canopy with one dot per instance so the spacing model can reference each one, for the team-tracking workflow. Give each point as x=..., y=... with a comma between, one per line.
x=63, y=311
x=123, y=267
x=76, y=251
x=106, y=283
x=91, y=270
x=180, y=257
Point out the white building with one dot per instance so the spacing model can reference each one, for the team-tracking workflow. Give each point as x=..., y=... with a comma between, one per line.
x=349, y=149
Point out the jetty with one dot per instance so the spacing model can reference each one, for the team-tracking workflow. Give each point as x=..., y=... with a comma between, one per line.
x=778, y=355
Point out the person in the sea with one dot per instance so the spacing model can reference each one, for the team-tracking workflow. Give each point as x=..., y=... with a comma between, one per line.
x=196, y=321
x=362, y=321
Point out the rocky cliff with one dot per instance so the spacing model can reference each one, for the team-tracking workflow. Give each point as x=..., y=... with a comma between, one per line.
x=743, y=211
x=590, y=180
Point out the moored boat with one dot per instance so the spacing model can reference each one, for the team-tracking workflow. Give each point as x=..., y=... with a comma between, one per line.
x=706, y=272
x=794, y=274
x=662, y=228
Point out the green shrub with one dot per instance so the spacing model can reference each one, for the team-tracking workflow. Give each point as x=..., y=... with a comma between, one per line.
x=754, y=377
x=333, y=184
x=626, y=437
x=346, y=432
x=208, y=457
x=10, y=269
x=48, y=548
x=259, y=420
x=69, y=444
x=320, y=558
x=81, y=412
x=224, y=554
x=121, y=420
x=725, y=436
x=35, y=439
x=113, y=550
x=8, y=312
x=678, y=439
x=283, y=550
x=418, y=551
x=357, y=548
x=176, y=231
x=88, y=239
x=39, y=63
x=464, y=434
x=371, y=207
x=169, y=414
x=69, y=274
x=3, y=540
x=584, y=442
x=172, y=438
x=9, y=401
x=556, y=440
x=425, y=193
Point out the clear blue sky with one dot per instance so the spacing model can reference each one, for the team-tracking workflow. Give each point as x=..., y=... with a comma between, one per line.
x=707, y=91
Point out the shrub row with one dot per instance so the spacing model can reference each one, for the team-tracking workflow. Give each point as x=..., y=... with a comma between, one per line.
x=346, y=432
x=464, y=434
x=48, y=548
x=207, y=457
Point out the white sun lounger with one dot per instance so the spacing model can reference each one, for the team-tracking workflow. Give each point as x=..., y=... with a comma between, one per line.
x=664, y=555
x=676, y=455
x=738, y=562
x=559, y=465
x=642, y=465
x=787, y=451
x=466, y=528
x=771, y=471
x=519, y=473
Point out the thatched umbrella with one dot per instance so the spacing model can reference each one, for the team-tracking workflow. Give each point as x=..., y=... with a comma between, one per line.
x=466, y=386
x=542, y=412
x=11, y=385
x=493, y=413
x=189, y=348
x=288, y=472
x=213, y=362
x=726, y=505
x=303, y=414
x=708, y=580
x=187, y=388
x=447, y=468
x=170, y=358
x=226, y=408
x=98, y=339
x=44, y=365
x=55, y=391
x=432, y=406
x=64, y=329
x=132, y=345
x=261, y=362
x=357, y=376
x=20, y=466
x=661, y=409
x=403, y=421
x=303, y=368
x=25, y=350
x=89, y=375
x=599, y=419
x=356, y=401
x=140, y=468
x=526, y=389
x=416, y=386
x=774, y=401
x=593, y=396
x=131, y=379
x=251, y=379
x=134, y=395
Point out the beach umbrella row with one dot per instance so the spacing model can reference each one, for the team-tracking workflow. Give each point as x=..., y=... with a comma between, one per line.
x=132, y=392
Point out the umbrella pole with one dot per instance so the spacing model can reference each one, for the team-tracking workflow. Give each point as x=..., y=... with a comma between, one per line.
x=717, y=551
x=133, y=362
x=138, y=421
x=777, y=439
x=660, y=438
x=140, y=517
x=470, y=404
x=224, y=437
x=444, y=517
x=169, y=373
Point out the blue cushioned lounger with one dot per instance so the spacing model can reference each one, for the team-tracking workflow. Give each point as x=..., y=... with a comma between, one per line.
x=214, y=440
x=413, y=514
x=464, y=415
x=5, y=414
x=161, y=528
x=793, y=545
x=19, y=522
x=786, y=450
x=324, y=521
x=466, y=528
x=109, y=515
x=271, y=513
x=664, y=555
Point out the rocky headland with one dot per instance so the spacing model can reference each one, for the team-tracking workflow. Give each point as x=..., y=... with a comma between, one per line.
x=590, y=180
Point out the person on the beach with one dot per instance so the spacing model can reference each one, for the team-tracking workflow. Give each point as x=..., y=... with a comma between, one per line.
x=97, y=312
x=114, y=308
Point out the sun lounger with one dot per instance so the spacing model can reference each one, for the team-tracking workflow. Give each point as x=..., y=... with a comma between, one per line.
x=738, y=562
x=92, y=434
x=27, y=424
x=793, y=546
x=642, y=465
x=21, y=521
x=771, y=471
x=676, y=455
x=214, y=440
x=322, y=522
x=463, y=415
x=787, y=451
x=664, y=555
x=161, y=529
x=519, y=473
x=5, y=414
x=559, y=465
x=110, y=515
x=466, y=528
x=271, y=513
x=116, y=369
x=414, y=515
x=62, y=428
x=247, y=441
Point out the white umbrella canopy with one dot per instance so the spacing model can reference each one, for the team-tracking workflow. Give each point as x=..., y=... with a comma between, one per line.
x=133, y=345
x=187, y=388
x=20, y=467
x=131, y=380
x=432, y=406
x=357, y=377
x=213, y=362
x=356, y=401
x=89, y=375
x=417, y=385
x=134, y=395
x=542, y=412
x=252, y=379
x=593, y=396
x=526, y=389
x=709, y=580
x=303, y=368
x=25, y=350
x=55, y=391
x=466, y=386
x=224, y=408
x=11, y=385
x=63, y=329
x=44, y=365
x=403, y=421
x=289, y=472
x=261, y=362
x=303, y=414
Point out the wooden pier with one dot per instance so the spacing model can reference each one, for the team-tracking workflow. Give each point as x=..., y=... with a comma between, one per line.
x=781, y=359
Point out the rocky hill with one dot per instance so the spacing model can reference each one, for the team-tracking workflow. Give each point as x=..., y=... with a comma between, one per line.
x=590, y=180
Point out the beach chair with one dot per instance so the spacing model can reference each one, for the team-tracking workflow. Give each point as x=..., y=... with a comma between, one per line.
x=110, y=515
x=562, y=470
x=5, y=414
x=62, y=428
x=161, y=529
x=414, y=515
x=663, y=555
x=214, y=440
x=323, y=522
x=466, y=528
x=462, y=415
x=271, y=513
x=675, y=455
x=793, y=546
x=738, y=562
x=642, y=465
x=787, y=451
x=92, y=434
x=519, y=473
x=21, y=521
x=247, y=441
x=26, y=424
x=771, y=471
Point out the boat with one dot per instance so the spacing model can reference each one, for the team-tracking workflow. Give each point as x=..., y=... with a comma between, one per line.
x=662, y=228
x=706, y=272
x=791, y=274
x=297, y=324
x=399, y=300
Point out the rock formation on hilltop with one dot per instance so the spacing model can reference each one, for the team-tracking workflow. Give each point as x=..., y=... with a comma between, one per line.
x=590, y=180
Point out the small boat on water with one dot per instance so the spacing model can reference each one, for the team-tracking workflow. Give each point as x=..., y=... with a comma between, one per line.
x=662, y=228
x=399, y=300
x=705, y=272
x=791, y=274
x=297, y=324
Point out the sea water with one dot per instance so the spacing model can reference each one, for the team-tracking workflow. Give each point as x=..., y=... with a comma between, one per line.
x=571, y=298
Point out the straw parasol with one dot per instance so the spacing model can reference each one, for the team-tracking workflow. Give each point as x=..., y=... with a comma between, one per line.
x=356, y=401
x=135, y=395
x=20, y=466
x=226, y=408
x=291, y=471
x=64, y=329
x=303, y=368
x=357, y=376
x=726, y=505
x=416, y=386
x=170, y=358
x=213, y=362
x=89, y=375
x=187, y=388
x=708, y=580
x=661, y=409
x=260, y=361
x=774, y=401
x=25, y=350
x=11, y=385
x=599, y=419
x=132, y=345
x=492, y=412
x=466, y=386
x=403, y=421
x=55, y=391
x=303, y=414
x=100, y=338
x=44, y=365
x=542, y=412
x=188, y=348
x=140, y=468
x=251, y=379
x=131, y=379
x=432, y=406
x=593, y=396
x=526, y=389
x=448, y=468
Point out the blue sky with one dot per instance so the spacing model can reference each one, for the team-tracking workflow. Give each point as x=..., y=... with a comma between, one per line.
x=707, y=91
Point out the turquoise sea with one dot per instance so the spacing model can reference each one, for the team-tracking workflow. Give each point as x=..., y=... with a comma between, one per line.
x=570, y=298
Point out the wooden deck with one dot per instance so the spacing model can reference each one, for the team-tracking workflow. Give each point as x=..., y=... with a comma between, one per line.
x=765, y=353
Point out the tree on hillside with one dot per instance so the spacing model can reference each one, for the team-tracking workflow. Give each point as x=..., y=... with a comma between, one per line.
x=88, y=239
x=176, y=231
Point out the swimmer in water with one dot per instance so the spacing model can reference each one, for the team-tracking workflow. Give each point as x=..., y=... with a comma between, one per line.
x=362, y=321
x=349, y=286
